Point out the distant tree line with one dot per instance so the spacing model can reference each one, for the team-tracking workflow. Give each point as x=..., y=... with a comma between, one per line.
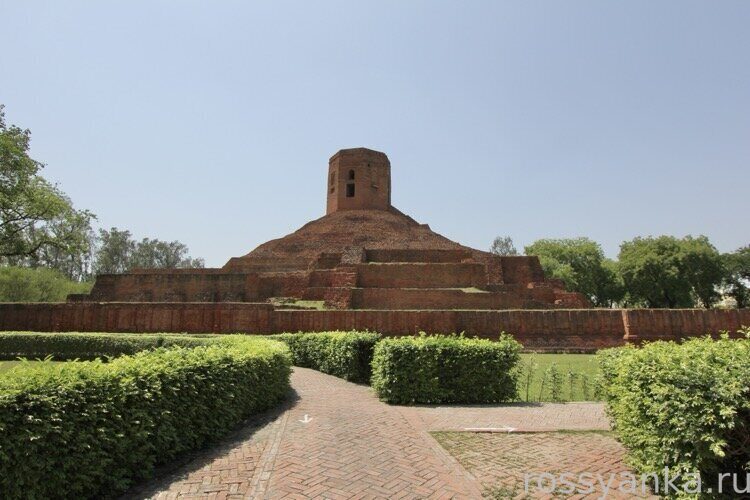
x=48, y=247
x=652, y=272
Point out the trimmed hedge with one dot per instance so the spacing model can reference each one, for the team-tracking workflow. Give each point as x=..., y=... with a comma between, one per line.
x=68, y=346
x=347, y=355
x=445, y=369
x=685, y=407
x=89, y=429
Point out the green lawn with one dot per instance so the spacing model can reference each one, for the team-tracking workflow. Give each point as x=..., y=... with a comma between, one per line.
x=574, y=380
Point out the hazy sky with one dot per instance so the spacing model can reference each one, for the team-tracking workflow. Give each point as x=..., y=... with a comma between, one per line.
x=213, y=122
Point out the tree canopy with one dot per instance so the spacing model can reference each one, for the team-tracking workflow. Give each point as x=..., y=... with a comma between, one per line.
x=117, y=252
x=581, y=264
x=503, y=245
x=737, y=278
x=38, y=223
x=47, y=246
x=671, y=272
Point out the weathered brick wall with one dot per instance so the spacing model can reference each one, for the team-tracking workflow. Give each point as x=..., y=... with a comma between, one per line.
x=159, y=286
x=521, y=269
x=333, y=278
x=459, y=275
x=136, y=317
x=197, y=286
x=673, y=324
x=372, y=180
x=573, y=330
x=410, y=255
x=432, y=298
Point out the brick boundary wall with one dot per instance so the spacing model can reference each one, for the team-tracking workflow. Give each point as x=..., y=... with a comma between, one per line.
x=579, y=330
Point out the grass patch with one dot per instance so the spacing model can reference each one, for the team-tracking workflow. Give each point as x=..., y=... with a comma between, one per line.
x=291, y=303
x=558, y=377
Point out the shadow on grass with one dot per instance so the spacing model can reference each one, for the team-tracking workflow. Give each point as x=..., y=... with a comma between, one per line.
x=254, y=428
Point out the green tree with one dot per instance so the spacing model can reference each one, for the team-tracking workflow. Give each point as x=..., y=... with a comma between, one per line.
x=153, y=253
x=37, y=220
x=503, y=245
x=581, y=264
x=118, y=253
x=18, y=284
x=114, y=252
x=737, y=280
x=671, y=272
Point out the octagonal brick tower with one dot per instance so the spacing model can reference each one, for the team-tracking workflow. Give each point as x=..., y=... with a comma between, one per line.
x=358, y=179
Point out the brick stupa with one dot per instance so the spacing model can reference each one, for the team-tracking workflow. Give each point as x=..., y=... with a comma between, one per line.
x=363, y=254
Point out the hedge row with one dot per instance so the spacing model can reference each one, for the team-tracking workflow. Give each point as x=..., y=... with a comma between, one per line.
x=682, y=406
x=88, y=346
x=445, y=369
x=347, y=355
x=89, y=429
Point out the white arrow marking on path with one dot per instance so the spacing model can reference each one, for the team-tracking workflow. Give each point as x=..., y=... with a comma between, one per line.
x=306, y=420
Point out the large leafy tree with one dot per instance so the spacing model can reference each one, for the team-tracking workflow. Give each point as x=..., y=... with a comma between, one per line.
x=671, y=272
x=114, y=251
x=581, y=264
x=38, y=223
x=153, y=253
x=503, y=245
x=119, y=253
x=737, y=280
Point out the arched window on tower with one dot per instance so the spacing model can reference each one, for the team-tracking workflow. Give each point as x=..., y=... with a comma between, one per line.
x=351, y=175
x=333, y=182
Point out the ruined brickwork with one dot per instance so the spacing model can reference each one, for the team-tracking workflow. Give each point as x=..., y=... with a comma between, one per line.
x=579, y=330
x=358, y=179
x=363, y=254
x=374, y=268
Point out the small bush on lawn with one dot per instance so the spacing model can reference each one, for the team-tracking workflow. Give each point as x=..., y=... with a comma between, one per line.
x=347, y=355
x=445, y=369
x=63, y=346
x=682, y=406
x=88, y=429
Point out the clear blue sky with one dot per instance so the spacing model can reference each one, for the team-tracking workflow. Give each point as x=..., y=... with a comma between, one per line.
x=212, y=122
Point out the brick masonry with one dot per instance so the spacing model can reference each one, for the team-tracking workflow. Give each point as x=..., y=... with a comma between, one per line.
x=364, y=254
x=556, y=329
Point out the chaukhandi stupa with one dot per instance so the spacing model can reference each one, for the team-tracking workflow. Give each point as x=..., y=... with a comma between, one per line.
x=363, y=254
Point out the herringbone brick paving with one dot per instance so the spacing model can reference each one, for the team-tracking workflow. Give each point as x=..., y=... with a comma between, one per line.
x=335, y=440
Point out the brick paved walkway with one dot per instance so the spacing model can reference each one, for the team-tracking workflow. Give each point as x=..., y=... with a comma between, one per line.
x=336, y=440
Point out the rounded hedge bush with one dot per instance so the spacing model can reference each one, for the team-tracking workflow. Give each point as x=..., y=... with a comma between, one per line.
x=445, y=369
x=89, y=346
x=347, y=355
x=684, y=406
x=88, y=429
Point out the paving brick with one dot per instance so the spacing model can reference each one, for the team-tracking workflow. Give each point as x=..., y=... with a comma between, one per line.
x=355, y=446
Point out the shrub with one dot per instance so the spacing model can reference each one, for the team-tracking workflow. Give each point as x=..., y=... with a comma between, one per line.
x=685, y=407
x=445, y=369
x=65, y=346
x=347, y=355
x=88, y=429
x=20, y=284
